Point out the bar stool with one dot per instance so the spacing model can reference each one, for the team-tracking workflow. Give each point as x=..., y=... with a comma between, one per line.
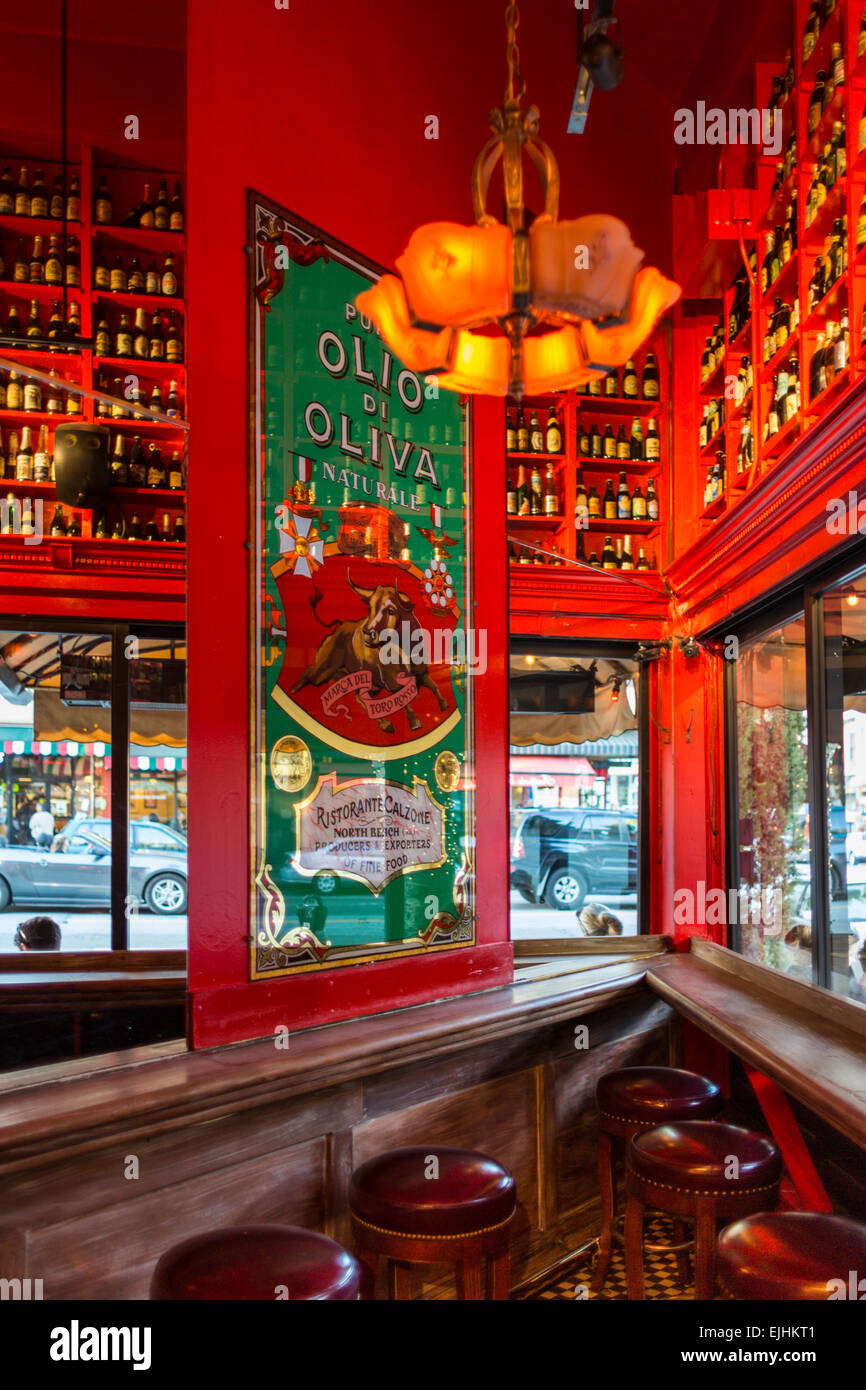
x=703, y=1170
x=793, y=1255
x=630, y=1100
x=431, y=1204
x=257, y=1262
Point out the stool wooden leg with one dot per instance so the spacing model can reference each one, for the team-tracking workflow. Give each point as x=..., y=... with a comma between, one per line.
x=705, y=1249
x=634, y=1212
x=608, y=1210
x=399, y=1280
x=499, y=1276
x=470, y=1283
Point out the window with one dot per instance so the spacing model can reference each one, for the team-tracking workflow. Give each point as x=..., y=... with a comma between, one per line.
x=772, y=872
x=575, y=788
x=797, y=830
x=93, y=738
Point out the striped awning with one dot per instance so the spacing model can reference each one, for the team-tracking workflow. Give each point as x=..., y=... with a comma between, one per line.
x=157, y=758
x=623, y=746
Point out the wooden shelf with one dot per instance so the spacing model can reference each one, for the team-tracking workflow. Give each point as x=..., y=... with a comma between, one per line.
x=44, y=294
x=541, y=458
x=777, y=443
x=588, y=464
x=124, y=300
x=144, y=364
x=38, y=226
x=831, y=305
x=617, y=405
x=36, y=417
x=547, y=522
x=143, y=238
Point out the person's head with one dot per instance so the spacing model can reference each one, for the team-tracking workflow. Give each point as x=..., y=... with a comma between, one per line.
x=38, y=934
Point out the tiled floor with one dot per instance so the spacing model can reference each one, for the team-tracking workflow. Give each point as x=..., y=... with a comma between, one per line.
x=660, y=1272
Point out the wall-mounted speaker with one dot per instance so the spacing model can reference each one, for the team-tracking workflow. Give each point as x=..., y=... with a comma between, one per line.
x=81, y=472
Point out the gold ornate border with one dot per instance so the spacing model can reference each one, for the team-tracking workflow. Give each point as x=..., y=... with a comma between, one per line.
x=377, y=950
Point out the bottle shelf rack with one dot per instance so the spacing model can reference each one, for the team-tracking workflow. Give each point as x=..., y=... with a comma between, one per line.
x=847, y=293
x=82, y=366
x=575, y=410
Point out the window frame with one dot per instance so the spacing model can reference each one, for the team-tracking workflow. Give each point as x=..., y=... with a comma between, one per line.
x=626, y=649
x=806, y=598
x=118, y=632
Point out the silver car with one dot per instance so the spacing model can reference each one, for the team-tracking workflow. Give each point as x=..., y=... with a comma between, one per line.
x=76, y=871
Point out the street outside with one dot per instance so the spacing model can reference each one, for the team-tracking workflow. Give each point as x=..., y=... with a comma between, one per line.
x=89, y=930
x=537, y=920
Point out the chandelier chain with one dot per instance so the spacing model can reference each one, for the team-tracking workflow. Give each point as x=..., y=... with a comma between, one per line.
x=512, y=20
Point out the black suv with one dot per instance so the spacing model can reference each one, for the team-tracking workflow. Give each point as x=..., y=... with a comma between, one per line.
x=562, y=854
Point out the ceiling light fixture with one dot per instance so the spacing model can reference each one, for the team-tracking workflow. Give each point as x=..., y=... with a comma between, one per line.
x=559, y=302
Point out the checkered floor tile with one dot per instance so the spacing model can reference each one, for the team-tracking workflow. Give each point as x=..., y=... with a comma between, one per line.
x=660, y=1273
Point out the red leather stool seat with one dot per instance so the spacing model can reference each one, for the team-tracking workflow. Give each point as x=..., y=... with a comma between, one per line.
x=255, y=1262
x=793, y=1255
x=651, y=1095
x=396, y=1191
x=696, y=1156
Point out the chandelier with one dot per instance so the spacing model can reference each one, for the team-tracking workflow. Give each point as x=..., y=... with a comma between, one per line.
x=506, y=308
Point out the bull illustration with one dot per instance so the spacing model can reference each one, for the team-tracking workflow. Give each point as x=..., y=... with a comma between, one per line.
x=355, y=646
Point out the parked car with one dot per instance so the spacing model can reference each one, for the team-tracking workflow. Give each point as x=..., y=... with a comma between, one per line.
x=143, y=834
x=76, y=871
x=561, y=854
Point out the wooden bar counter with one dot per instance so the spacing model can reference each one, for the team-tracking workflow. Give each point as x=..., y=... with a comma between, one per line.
x=105, y=1162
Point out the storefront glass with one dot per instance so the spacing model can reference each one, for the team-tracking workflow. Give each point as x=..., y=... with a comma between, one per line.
x=574, y=779
x=773, y=886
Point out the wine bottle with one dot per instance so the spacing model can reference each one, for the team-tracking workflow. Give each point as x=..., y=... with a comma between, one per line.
x=611, y=385
x=175, y=475
x=54, y=262
x=172, y=404
x=36, y=271
x=609, y=501
x=510, y=495
x=162, y=210
x=137, y=470
x=593, y=504
x=140, y=342
x=623, y=500
x=102, y=208
x=101, y=273
x=58, y=522
x=522, y=433
x=553, y=434
x=581, y=504
x=642, y=561
x=623, y=448
x=652, y=501
x=22, y=194
x=14, y=388
x=166, y=533
x=73, y=264
x=510, y=431
x=608, y=555
x=638, y=504
x=7, y=193
x=650, y=379
x=636, y=441
x=176, y=216
x=145, y=208
x=522, y=493
x=32, y=396
x=652, y=443
x=608, y=444
x=536, y=437
x=551, y=492
x=117, y=280
x=101, y=531
x=24, y=458
x=135, y=277
x=34, y=323
x=152, y=280
x=21, y=264
x=73, y=200
x=133, y=531
x=157, y=347
x=123, y=338
x=55, y=206
x=117, y=463
x=151, y=531
x=595, y=442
